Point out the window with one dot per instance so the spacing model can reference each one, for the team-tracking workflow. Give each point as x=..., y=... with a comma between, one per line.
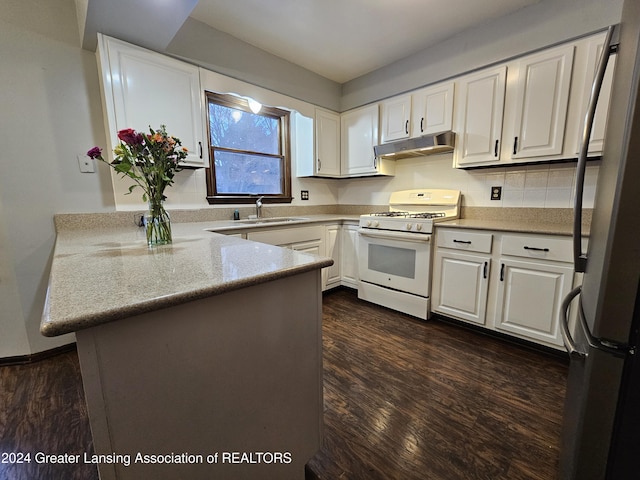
x=250, y=154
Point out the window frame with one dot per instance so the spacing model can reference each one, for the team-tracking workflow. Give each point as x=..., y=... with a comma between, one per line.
x=240, y=103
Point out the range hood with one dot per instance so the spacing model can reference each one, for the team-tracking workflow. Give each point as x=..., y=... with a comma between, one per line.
x=414, y=147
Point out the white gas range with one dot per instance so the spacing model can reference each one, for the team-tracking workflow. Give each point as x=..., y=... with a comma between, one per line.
x=395, y=249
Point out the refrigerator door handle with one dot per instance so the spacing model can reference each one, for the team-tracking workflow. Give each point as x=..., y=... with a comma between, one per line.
x=613, y=348
x=569, y=344
x=580, y=258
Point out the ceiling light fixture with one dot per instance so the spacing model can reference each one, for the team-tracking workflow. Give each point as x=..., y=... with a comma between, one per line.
x=254, y=105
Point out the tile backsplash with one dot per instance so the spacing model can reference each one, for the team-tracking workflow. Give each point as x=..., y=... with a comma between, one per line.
x=533, y=186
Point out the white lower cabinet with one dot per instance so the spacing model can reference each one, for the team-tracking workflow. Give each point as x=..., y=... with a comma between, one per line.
x=338, y=241
x=529, y=297
x=333, y=274
x=521, y=296
x=461, y=274
x=462, y=286
x=349, y=255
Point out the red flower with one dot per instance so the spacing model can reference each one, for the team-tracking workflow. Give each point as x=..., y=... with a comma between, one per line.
x=130, y=136
x=95, y=152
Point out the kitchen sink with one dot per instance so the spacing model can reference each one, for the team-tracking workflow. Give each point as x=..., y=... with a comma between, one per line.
x=254, y=221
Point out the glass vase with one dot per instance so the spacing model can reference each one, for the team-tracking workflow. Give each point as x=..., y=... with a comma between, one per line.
x=157, y=224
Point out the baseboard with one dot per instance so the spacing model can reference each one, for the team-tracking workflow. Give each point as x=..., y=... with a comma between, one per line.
x=36, y=357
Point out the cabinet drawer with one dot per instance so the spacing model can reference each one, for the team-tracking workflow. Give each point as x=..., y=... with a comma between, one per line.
x=465, y=240
x=559, y=249
x=287, y=236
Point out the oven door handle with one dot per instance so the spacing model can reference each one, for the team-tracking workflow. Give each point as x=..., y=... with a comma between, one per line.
x=393, y=235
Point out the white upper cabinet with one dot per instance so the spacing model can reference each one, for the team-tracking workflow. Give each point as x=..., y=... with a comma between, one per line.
x=423, y=112
x=542, y=97
x=594, y=47
x=327, y=143
x=396, y=115
x=359, y=134
x=432, y=109
x=143, y=89
x=479, y=113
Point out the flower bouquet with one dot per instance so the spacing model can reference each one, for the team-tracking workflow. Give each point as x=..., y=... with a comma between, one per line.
x=151, y=161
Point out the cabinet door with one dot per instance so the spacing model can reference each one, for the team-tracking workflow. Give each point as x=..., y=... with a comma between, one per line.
x=432, y=110
x=327, y=143
x=529, y=299
x=313, y=247
x=480, y=109
x=349, y=255
x=542, y=99
x=333, y=245
x=396, y=114
x=460, y=285
x=149, y=89
x=599, y=128
x=359, y=134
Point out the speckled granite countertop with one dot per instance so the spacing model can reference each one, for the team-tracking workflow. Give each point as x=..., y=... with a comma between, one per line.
x=101, y=275
x=518, y=226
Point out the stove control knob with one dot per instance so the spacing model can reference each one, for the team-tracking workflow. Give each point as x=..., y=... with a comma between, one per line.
x=376, y=223
x=368, y=223
x=419, y=227
x=409, y=226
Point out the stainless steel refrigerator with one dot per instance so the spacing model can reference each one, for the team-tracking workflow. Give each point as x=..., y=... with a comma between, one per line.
x=601, y=431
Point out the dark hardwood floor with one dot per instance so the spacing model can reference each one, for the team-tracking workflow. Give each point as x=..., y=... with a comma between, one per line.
x=404, y=399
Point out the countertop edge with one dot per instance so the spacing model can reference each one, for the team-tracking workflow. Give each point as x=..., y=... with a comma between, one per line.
x=61, y=327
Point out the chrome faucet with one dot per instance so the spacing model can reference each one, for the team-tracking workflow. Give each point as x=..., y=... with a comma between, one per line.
x=259, y=207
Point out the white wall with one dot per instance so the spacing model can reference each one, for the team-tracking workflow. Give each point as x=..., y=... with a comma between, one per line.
x=537, y=26
x=50, y=113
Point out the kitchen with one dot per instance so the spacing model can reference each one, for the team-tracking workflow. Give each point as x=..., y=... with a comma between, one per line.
x=54, y=80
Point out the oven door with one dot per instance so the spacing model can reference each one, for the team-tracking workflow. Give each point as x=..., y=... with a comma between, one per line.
x=396, y=260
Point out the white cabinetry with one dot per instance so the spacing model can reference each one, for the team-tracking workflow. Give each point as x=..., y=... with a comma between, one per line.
x=480, y=107
x=396, y=114
x=333, y=243
x=349, y=255
x=308, y=239
x=461, y=279
x=143, y=89
x=432, y=109
x=359, y=134
x=327, y=142
x=542, y=97
x=520, y=296
x=532, y=286
x=525, y=120
x=531, y=109
x=425, y=111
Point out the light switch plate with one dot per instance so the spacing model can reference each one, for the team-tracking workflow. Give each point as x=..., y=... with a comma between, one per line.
x=86, y=164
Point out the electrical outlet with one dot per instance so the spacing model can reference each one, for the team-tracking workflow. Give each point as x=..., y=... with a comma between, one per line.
x=496, y=193
x=304, y=194
x=86, y=164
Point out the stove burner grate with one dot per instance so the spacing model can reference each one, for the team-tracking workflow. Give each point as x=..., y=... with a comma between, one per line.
x=390, y=214
x=427, y=215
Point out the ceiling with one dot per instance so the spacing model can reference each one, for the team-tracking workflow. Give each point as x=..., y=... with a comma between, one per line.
x=344, y=39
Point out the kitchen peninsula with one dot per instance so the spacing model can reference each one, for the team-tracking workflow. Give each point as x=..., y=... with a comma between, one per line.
x=208, y=349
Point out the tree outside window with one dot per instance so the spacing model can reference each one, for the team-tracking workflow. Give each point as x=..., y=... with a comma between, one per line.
x=250, y=154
